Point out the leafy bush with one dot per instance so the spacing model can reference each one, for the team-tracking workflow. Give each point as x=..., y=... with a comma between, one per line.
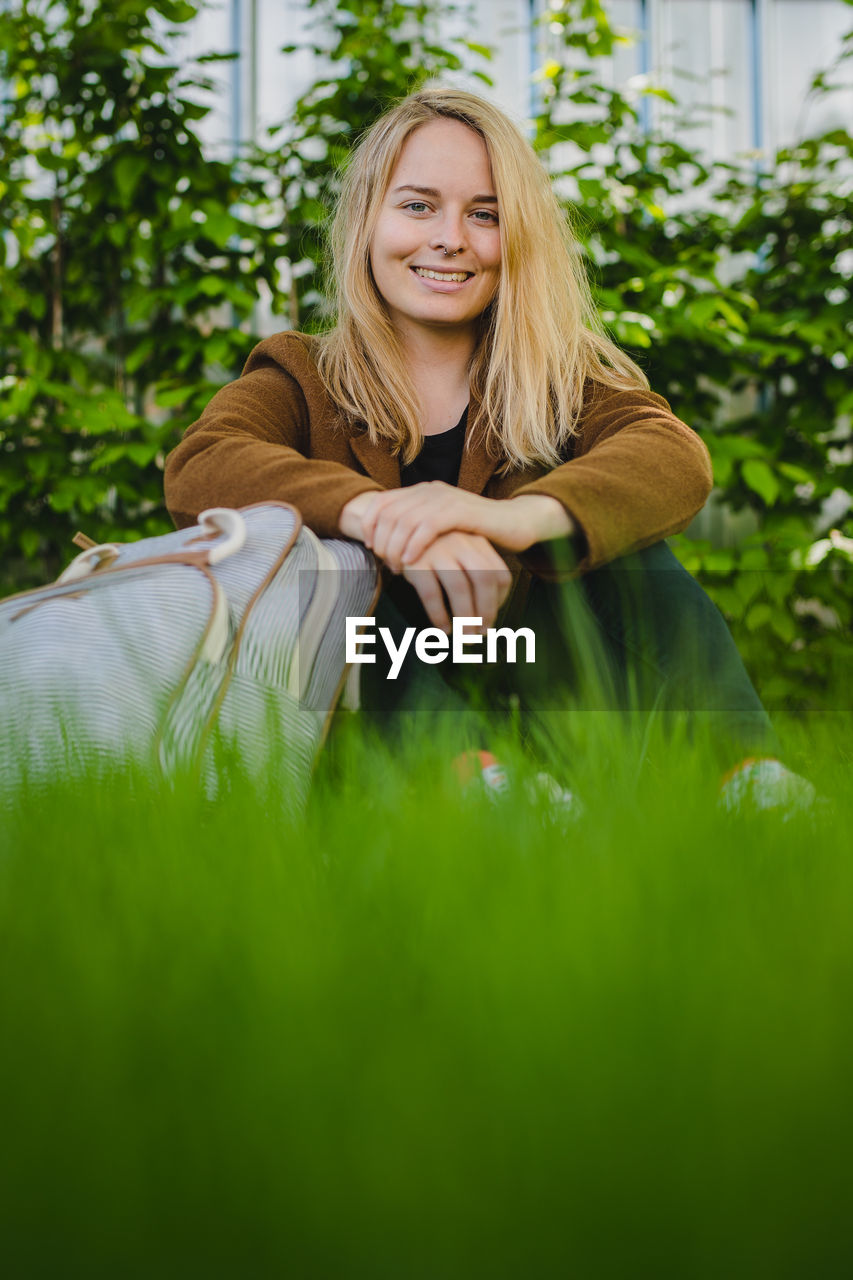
x=133, y=265
x=130, y=262
x=727, y=284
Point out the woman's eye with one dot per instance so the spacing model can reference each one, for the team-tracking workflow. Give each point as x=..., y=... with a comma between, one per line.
x=486, y=216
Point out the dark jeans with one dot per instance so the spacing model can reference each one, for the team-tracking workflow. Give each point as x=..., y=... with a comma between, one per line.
x=637, y=635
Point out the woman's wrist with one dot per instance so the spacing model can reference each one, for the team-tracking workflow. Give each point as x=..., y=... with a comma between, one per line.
x=516, y=524
x=352, y=513
x=543, y=518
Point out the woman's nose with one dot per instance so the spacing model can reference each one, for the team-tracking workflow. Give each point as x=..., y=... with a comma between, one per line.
x=450, y=235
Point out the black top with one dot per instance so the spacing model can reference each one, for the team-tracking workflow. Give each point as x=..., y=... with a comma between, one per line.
x=440, y=456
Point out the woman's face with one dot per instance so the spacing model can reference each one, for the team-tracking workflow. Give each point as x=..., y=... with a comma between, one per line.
x=440, y=196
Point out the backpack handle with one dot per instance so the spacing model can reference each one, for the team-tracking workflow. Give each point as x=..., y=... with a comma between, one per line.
x=89, y=561
x=230, y=524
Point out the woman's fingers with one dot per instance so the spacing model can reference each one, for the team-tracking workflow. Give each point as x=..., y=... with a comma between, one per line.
x=460, y=511
x=487, y=600
x=460, y=575
x=428, y=586
x=395, y=534
x=443, y=508
x=443, y=586
x=401, y=523
x=489, y=587
x=491, y=580
x=441, y=582
x=393, y=517
x=458, y=588
x=386, y=502
x=425, y=532
x=371, y=516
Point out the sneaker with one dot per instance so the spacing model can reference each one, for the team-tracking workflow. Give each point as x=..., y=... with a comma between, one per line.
x=482, y=770
x=556, y=803
x=765, y=785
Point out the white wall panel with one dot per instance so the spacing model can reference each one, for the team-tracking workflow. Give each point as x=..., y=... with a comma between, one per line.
x=505, y=26
x=211, y=33
x=802, y=37
x=703, y=52
x=759, y=93
x=282, y=78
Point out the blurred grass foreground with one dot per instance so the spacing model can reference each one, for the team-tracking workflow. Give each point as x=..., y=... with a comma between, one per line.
x=409, y=1034
x=412, y=1033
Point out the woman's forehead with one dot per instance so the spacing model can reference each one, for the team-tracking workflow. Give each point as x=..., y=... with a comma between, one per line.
x=440, y=152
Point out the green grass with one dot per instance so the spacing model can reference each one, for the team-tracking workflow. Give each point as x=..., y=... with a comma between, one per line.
x=412, y=1034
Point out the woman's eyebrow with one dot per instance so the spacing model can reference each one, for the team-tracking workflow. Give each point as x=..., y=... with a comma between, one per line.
x=432, y=191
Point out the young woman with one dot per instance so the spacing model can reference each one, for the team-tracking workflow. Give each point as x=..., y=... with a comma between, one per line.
x=468, y=420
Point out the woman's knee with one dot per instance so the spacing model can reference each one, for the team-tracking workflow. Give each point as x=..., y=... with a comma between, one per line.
x=649, y=594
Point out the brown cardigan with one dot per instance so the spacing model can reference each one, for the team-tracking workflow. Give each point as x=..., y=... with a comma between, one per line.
x=636, y=473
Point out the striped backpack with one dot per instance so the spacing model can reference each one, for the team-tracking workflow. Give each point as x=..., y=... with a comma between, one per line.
x=210, y=650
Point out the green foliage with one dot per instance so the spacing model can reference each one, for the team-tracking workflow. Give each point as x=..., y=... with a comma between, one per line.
x=129, y=261
x=132, y=265
x=729, y=285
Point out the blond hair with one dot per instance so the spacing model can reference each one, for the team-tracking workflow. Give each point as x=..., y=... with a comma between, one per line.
x=539, y=339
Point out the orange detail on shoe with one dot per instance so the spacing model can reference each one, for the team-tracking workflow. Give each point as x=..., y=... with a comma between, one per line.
x=471, y=763
x=474, y=767
x=746, y=764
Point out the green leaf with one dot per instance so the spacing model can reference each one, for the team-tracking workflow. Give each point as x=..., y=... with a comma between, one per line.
x=128, y=170
x=799, y=475
x=219, y=225
x=210, y=286
x=783, y=625
x=758, y=615
x=171, y=397
x=758, y=477
x=29, y=541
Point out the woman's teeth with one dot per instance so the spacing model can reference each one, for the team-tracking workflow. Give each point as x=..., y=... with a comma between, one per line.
x=441, y=275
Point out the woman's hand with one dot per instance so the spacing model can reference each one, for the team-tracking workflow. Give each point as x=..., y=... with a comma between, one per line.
x=460, y=575
x=399, y=524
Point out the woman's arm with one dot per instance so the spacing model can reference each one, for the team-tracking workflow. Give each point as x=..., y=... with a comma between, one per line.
x=400, y=524
x=251, y=445
x=638, y=475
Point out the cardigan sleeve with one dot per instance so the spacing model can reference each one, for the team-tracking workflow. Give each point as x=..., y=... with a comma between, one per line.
x=638, y=475
x=252, y=444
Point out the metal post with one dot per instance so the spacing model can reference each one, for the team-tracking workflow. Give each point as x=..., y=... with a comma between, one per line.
x=645, y=62
x=535, y=89
x=237, y=75
x=756, y=33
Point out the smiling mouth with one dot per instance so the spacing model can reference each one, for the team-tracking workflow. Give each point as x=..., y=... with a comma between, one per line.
x=426, y=273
